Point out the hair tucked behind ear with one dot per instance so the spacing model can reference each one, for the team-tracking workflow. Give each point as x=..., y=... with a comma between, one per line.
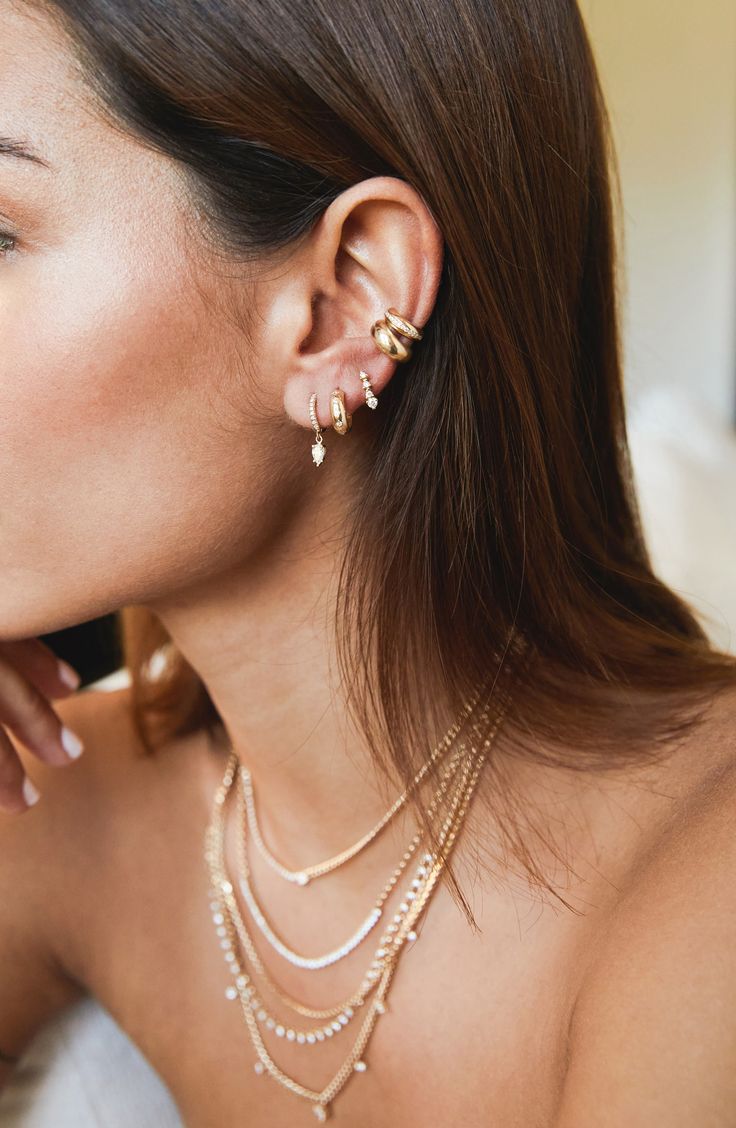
x=498, y=507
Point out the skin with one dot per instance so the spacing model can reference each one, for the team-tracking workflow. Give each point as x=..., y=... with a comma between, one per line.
x=126, y=357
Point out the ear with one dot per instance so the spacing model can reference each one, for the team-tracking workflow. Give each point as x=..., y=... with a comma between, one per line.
x=376, y=245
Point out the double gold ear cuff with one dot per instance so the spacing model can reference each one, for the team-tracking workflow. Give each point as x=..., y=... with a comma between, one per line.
x=384, y=333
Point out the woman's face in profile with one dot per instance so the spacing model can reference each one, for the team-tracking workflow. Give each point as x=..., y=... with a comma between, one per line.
x=124, y=464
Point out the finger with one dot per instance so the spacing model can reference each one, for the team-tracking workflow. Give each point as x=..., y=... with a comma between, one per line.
x=17, y=792
x=28, y=713
x=37, y=662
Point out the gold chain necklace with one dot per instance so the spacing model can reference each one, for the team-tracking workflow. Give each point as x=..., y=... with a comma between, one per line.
x=354, y=1063
x=317, y=962
x=303, y=876
x=245, y=988
x=225, y=906
x=355, y=999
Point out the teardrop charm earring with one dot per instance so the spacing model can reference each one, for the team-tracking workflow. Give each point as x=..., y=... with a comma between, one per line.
x=318, y=447
x=370, y=397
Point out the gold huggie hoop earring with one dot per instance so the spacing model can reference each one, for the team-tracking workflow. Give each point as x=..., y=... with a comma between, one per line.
x=342, y=420
x=370, y=397
x=318, y=447
x=384, y=335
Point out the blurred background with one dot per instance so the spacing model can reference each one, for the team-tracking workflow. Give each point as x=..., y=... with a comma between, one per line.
x=669, y=74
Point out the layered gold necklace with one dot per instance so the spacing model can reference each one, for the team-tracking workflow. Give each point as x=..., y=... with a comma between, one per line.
x=447, y=810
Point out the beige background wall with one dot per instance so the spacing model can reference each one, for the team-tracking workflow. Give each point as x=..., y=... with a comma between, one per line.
x=669, y=70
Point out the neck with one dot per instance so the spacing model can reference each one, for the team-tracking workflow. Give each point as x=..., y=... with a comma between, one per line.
x=262, y=639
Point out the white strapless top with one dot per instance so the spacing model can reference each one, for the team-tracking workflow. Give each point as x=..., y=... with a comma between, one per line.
x=82, y=1071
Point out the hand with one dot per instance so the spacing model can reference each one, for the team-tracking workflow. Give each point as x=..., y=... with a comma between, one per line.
x=31, y=674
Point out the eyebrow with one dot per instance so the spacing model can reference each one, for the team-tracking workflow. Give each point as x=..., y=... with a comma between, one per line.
x=12, y=147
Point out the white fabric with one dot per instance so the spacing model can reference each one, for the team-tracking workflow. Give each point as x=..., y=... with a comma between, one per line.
x=82, y=1071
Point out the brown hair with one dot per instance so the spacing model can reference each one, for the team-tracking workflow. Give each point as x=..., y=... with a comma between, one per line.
x=498, y=506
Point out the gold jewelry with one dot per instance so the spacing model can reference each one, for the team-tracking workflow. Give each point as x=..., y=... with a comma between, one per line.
x=357, y=998
x=384, y=334
x=411, y=908
x=339, y=1017
x=318, y=447
x=251, y=1006
x=388, y=343
x=319, y=869
x=317, y=962
x=401, y=325
x=342, y=420
x=370, y=397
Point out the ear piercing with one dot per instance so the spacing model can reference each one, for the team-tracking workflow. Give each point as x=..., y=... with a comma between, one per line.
x=342, y=420
x=370, y=399
x=384, y=333
x=318, y=447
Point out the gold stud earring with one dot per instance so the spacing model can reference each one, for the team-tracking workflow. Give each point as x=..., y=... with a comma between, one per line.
x=370, y=397
x=342, y=420
x=318, y=447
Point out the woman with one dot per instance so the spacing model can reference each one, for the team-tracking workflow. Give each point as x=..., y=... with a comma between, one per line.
x=310, y=310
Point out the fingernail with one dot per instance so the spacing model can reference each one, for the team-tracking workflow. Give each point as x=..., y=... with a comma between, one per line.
x=68, y=675
x=30, y=793
x=71, y=742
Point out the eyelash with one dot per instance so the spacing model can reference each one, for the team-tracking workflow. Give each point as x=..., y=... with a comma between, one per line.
x=6, y=239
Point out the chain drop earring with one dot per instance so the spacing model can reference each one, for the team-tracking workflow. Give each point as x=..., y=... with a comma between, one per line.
x=318, y=446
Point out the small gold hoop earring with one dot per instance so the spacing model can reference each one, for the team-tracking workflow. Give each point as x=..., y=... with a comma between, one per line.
x=388, y=343
x=342, y=420
x=318, y=447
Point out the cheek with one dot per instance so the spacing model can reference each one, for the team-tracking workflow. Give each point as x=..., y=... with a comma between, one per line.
x=117, y=475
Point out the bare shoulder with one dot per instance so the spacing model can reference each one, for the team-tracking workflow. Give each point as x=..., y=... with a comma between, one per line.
x=653, y=1033
x=90, y=816
x=75, y=798
x=44, y=864
x=55, y=838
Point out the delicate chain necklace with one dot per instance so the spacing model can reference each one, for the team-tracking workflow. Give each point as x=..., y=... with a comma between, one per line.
x=379, y=976
x=319, y=869
x=355, y=999
x=342, y=1014
x=316, y=962
x=252, y=1006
